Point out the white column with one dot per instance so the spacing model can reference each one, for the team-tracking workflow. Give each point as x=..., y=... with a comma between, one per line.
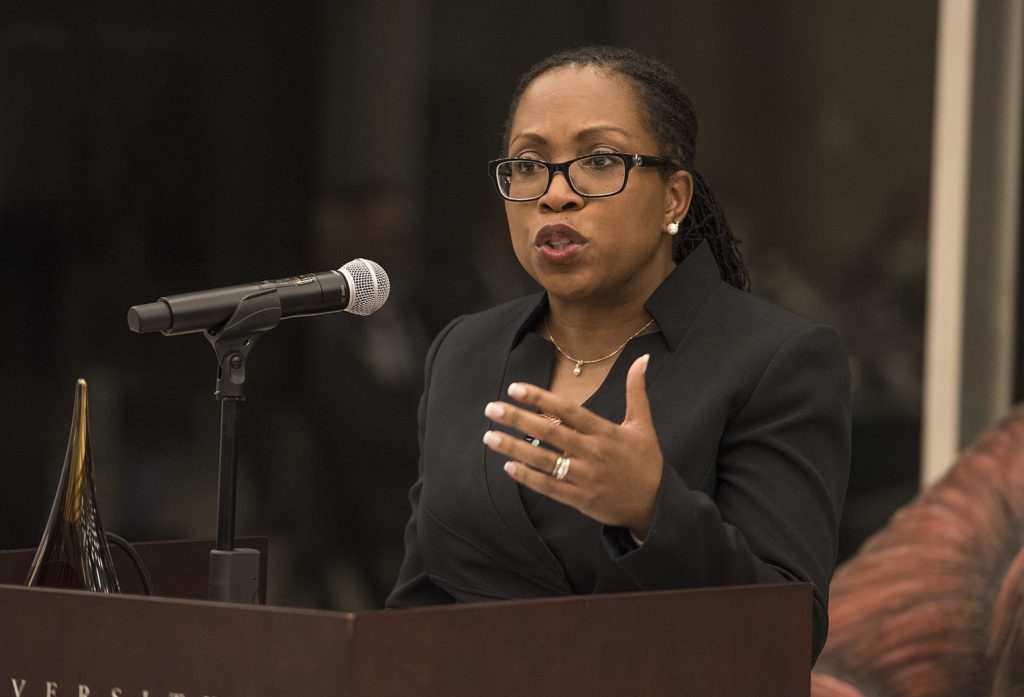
x=975, y=224
x=947, y=237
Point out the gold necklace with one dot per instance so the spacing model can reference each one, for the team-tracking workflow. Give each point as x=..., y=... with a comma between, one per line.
x=578, y=369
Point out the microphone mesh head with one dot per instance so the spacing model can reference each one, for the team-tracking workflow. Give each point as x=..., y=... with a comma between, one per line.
x=369, y=284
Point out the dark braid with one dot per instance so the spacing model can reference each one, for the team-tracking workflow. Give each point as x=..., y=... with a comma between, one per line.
x=670, y=116
x=706, y=221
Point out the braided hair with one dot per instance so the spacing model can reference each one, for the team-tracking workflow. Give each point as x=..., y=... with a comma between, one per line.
x=670, y=116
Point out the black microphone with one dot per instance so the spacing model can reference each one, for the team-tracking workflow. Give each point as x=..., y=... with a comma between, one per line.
x=360, y=287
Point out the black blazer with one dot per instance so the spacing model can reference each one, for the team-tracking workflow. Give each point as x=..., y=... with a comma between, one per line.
x=751, y=406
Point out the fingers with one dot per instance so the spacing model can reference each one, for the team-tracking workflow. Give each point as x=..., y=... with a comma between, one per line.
x=537, y=425
x=538, y=470
x=540, y=459
x=541, y=483
x=576, y=416
x=609, y=471
x=638, y=408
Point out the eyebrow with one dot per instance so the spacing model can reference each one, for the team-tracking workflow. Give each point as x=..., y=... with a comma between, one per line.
x=582, y=135
x=594, y=130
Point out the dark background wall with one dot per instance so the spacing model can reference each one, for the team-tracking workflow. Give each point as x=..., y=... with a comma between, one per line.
x=150, y=149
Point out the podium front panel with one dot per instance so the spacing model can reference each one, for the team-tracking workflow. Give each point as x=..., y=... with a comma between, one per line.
x=715, y=642
x=720, y=642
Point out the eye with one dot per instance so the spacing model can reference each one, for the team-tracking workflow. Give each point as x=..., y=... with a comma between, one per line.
x=527, y=167
x=601, y=161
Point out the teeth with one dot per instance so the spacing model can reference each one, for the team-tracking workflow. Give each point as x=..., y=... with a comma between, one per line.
x=558, y=245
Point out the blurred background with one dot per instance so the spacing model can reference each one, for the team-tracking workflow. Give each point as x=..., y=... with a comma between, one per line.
x=148, y=149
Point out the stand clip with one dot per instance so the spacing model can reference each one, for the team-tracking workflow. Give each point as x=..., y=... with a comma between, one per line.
x=256, y=314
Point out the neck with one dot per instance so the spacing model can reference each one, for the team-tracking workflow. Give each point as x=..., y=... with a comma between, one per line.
x=606, y=320
x=588, y=330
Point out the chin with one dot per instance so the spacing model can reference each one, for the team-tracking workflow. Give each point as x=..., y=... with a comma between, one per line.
x=571, y=290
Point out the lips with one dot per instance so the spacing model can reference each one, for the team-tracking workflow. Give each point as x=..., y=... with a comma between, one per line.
x=558, y=237
x=559, y=244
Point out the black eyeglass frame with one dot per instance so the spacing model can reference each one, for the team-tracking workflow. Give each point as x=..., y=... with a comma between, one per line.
x=629, y=160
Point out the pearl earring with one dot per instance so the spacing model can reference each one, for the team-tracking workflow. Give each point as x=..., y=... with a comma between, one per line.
x=672, y=228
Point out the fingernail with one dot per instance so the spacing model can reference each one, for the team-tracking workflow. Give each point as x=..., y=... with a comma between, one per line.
x=516, y=390
x=646, y=358
x=510, y=467
x=494, y=410
x=491, y=438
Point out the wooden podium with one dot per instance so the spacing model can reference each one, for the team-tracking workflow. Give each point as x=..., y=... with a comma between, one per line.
x=719, y=642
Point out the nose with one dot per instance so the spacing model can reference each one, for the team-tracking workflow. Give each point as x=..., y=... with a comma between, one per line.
x=560, y=196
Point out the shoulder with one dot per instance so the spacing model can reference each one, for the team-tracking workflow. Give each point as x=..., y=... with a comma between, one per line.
x=499, y=324
x=476, y=341
x=699, y=311
x=742, y=345
x=764, y=314
x=513, y=312
x=789, y=359
x=760, y=324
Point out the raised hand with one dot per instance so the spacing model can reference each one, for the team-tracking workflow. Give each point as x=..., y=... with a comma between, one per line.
x=608, y=471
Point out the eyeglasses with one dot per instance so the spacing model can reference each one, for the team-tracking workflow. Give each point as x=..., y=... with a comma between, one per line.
x=593, y=176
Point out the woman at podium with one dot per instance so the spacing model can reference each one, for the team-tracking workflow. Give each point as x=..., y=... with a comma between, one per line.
x=645, y=422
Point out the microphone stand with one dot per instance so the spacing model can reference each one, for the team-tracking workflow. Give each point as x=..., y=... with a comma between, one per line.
x=234, y=573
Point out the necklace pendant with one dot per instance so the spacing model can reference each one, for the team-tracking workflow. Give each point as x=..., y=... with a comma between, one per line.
x=578, y=369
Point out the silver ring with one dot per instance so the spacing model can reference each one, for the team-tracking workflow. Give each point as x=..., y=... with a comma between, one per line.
x=562, y=465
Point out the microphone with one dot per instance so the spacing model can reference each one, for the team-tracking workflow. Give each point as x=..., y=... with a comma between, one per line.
x=361, y=287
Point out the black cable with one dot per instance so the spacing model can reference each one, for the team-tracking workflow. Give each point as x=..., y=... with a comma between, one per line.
x=140, y=568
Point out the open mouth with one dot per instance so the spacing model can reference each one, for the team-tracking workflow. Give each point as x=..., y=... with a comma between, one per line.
x=559, y=237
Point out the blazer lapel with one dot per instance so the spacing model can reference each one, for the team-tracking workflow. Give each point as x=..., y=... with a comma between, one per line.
x=530, y=360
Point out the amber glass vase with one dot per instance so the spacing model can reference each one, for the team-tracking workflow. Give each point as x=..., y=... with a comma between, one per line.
x=73, y=552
